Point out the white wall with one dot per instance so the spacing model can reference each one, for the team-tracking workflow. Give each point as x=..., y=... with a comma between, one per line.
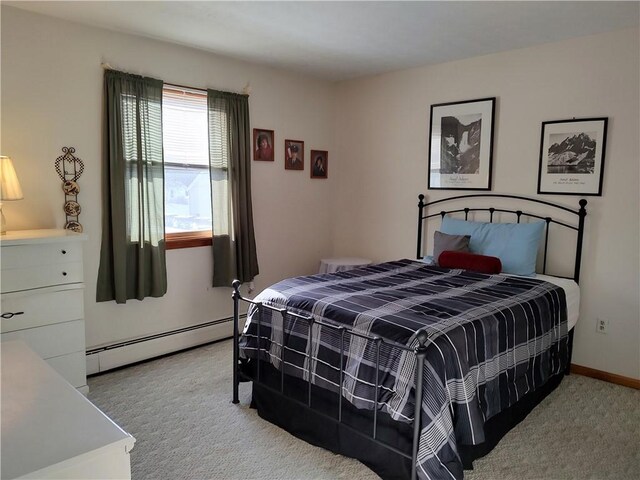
x=382, y=140
x=51, y=89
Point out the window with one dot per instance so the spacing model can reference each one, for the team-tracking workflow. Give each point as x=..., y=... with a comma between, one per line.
x=187, y=202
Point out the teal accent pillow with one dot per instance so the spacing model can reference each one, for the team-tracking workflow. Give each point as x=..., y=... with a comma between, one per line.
x=515, y=244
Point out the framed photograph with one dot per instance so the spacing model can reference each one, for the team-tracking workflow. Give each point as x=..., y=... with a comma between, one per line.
x=319, y=163
x=572, y=156
x=461, y=145
x=263, y=144
x=294, y=155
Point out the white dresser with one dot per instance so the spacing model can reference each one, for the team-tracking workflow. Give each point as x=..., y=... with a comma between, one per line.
x=42, y=297
x=51, y=431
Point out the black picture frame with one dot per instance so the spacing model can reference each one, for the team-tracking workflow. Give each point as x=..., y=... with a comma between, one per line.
x=449, y=166
x=572, y=154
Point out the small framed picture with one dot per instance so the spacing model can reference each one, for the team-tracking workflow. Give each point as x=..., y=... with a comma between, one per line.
x=294, y=155
x=263, y=144
x=461, y=145
x=319, y=163
x=572, y=156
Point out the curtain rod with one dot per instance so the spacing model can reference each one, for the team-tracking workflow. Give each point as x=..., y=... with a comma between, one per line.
x=246, y=90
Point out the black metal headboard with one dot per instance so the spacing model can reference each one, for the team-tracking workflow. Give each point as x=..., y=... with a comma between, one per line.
x=423, y=214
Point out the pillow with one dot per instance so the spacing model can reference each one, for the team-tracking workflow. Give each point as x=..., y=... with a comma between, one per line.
x=453, y=243
x=515, y=244
x=470, y=261
x=429, y=260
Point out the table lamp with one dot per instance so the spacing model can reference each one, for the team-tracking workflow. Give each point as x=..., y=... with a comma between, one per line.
x=9, y=186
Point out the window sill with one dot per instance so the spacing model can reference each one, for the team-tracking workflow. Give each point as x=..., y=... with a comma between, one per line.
x=187, y=240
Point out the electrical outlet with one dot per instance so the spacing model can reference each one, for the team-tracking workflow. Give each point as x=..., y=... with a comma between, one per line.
x=602, y=325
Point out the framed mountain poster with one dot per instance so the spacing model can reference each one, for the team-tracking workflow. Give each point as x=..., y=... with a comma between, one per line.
x=572, y=156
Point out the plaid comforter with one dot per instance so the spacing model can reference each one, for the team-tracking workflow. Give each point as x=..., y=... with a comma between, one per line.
x=492, y=339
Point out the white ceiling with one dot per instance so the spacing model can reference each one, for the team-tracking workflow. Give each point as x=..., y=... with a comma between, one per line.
x=342, y=40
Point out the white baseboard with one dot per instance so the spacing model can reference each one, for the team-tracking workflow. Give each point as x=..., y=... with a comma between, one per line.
x=124, y=355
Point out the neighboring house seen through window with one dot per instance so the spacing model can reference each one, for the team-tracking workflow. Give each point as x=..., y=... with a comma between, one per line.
x=187, y=200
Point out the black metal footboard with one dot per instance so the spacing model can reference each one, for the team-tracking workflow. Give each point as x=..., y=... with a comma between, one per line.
x=420, y=352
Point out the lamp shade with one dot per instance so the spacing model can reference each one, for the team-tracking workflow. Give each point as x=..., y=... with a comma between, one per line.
x=9, y=184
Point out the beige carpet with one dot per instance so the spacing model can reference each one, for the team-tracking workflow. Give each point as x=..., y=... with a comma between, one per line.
x=180, y=412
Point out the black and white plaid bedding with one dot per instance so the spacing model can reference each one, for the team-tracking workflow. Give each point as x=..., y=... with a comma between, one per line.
x=492, y=339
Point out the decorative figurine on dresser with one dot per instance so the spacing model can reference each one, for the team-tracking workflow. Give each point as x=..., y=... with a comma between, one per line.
x=42, y=297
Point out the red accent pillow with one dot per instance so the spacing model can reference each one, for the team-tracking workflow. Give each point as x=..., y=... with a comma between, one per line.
x=470, y=261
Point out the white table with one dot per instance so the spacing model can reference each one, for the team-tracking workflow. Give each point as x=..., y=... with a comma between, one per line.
x=331, y=265
x=50, y=430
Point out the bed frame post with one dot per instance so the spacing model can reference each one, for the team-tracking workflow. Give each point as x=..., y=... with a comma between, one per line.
x=236, y=297
x=420, y=209
x=582, y=213
x=421, y=353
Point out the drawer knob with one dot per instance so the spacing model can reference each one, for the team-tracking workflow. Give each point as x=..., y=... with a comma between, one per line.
x=64, y=252
x=64, y=274
x=11, y=314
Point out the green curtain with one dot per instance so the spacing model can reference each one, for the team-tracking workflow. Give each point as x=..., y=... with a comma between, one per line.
x=132, y=257
x=234, y=243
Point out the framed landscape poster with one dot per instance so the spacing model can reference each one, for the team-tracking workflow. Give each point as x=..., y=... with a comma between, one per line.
x=572, y=156
x=461, y=145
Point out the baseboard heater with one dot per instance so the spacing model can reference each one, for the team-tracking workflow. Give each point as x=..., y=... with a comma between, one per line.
x=107, y=357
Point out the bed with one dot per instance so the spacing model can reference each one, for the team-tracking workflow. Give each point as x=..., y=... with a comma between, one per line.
x=415, y=370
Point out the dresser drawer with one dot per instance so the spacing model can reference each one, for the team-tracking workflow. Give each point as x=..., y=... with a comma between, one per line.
x=52, y=340
x=35, y=255
x=16, y=279
x=72, y=367
x=40, y=307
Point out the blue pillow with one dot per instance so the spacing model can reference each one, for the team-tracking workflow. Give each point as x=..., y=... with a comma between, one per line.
x=429, y=260
x=515, y=244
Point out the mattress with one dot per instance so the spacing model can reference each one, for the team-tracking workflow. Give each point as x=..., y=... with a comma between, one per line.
x=572, y=293
x=570, y=287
